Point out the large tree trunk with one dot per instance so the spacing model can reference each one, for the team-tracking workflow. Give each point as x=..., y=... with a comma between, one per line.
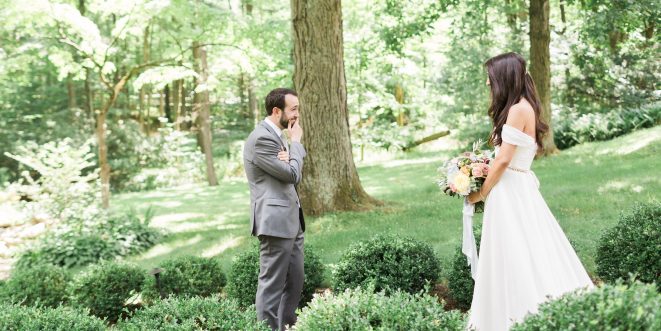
x=330, y=180
x=201, y=101
x=540, y=64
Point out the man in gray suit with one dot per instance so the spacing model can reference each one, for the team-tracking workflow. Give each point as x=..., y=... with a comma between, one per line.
x=273, y=169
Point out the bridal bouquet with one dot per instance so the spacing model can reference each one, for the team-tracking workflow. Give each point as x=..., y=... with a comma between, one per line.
x=465, y=173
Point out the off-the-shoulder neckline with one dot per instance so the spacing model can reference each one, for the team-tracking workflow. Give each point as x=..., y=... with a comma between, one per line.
x=525, y=134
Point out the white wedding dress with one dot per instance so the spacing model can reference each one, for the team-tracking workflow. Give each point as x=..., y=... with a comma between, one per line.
x=524, y=255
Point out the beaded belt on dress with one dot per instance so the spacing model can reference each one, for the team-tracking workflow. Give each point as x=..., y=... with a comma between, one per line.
x=518, y=169
x=526, y=172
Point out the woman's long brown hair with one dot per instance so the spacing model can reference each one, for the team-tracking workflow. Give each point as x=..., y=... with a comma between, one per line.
x=509, y=82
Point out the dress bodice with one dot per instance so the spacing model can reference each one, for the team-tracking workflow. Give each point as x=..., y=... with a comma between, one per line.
x=526, y=147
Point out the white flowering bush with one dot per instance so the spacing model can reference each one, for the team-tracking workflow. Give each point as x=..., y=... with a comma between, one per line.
x=60, y=182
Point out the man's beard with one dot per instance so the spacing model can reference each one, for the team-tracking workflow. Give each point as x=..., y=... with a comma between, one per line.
x=284, y=120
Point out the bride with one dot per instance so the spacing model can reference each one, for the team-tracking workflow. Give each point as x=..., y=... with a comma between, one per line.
x=525, y=257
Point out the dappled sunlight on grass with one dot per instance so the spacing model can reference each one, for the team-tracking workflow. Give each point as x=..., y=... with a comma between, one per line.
x=167, y=204
x=166, y=221
x=167, y=248
x=633, y=143
x=619, y=185
x=585, y=190
x=221, y=247
x=399, y=163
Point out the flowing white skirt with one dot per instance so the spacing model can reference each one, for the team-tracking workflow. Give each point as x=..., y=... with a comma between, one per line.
x=525, y=257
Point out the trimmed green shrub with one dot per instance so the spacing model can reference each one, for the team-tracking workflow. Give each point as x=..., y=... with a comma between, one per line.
x=195, y=313
x=106, y=287
x=460, y=281
x=242, y=284
x=186, y=276
x=632, y=246
x=20, y=318
x=388, y=263
x=608, y=308
x=43, y=285
x=360, y=309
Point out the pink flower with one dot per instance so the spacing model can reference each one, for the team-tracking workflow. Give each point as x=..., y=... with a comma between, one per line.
x=477, y=172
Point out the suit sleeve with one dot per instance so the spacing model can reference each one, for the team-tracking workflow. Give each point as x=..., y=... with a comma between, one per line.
x=266, y=158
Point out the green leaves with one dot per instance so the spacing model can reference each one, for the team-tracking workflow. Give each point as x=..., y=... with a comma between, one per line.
x=611, y=307
x=362, y=309
x=387, y=262
x=633, y=247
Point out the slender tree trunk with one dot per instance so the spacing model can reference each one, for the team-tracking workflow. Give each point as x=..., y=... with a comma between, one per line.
x=161, y=104
x=89, y=95
x=168, y=108
x=540, y=64
x=184, y=110
x=330, y=180
x=515, y=38
x=245, y=107
x=103, y=158
x=252, y=101
x=143, y=89
x=399, y=97
x=71, y=93
x=176, y=102
x=201, y=101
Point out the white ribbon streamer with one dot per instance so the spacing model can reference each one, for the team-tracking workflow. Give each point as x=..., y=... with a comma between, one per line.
x=468, y=246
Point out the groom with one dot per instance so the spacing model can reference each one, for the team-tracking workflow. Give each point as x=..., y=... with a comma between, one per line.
x=273, y=169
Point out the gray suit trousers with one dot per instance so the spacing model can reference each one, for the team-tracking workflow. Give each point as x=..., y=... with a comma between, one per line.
x=281, y=277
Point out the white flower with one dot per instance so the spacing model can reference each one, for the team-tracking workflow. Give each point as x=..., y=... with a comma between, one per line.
x=461, y=182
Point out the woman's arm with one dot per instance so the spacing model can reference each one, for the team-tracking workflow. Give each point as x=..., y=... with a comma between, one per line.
x=517, y=119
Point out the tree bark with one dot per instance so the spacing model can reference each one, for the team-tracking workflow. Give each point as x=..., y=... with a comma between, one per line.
x=201, y=105
x=330, y=180
x=89, y=95
x=426, y=139
x=540, y=64
x=168, y=108
x=252, y=101
x=176, y=102
x=145, y=59
x=71, y=93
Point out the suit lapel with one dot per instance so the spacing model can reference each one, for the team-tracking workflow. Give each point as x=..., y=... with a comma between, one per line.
x=270, y=129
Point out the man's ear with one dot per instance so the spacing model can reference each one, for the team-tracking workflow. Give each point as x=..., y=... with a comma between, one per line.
x=274, y=109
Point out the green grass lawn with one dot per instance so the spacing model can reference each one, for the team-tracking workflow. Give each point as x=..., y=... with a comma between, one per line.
x=586, y=187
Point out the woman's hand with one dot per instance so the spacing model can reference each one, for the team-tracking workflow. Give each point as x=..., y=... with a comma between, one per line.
x=474, y=197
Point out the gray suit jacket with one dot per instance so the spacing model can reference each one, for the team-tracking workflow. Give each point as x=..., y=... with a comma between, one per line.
x=273, y=197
